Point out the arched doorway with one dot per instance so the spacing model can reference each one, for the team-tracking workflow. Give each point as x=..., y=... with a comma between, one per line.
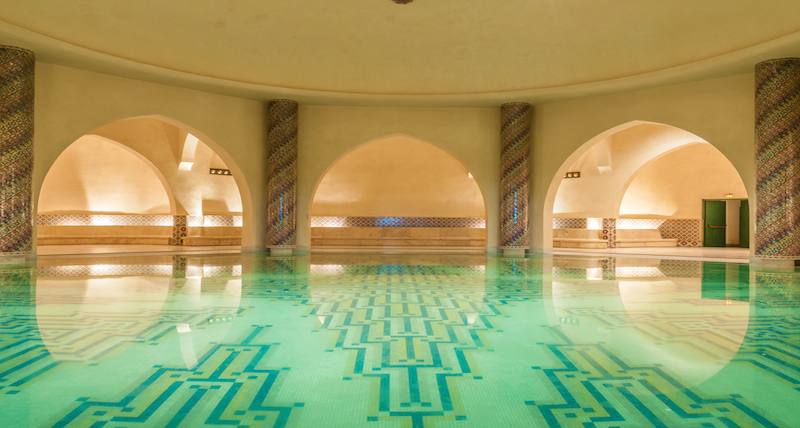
x=141, y=181
x=398, y=191
x=646, y=185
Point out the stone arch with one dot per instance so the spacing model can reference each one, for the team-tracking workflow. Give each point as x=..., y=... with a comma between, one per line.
x=476, y=180
x=687, y=138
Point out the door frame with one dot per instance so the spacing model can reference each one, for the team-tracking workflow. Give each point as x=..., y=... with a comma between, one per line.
x=703, y=220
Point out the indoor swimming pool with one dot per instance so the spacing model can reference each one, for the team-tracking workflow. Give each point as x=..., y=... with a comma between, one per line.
x=413, y=340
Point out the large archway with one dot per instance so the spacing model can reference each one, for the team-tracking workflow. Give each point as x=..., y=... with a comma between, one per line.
x=398, y=191
x=142, y=181
x=640, y=185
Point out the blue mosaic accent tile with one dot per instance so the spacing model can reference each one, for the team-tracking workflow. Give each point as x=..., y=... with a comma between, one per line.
x=460, y=222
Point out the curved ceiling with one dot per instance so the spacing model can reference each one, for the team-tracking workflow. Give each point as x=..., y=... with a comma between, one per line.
x=425, y=48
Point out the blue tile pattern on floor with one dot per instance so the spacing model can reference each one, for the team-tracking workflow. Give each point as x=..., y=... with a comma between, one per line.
x=454, y=341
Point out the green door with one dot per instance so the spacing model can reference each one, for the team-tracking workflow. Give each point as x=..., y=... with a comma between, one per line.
x=714, y=223
x=744, y=225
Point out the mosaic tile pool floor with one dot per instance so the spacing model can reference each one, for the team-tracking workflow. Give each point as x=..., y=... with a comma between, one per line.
x=339, y=340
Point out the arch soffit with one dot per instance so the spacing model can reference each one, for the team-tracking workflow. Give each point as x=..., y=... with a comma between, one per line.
x=238, y=176
x=161, y=178
x=629, y=181
x=374, y=140
x=580, y=151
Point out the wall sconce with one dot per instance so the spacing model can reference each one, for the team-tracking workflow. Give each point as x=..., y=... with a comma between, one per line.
x=729, y=195
x=218, y=171
x=575, y=174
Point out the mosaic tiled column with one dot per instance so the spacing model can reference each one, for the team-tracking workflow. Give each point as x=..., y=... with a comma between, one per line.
x=610, y=232
x=16, y=150
x=778, y=159
x=515, y=177
x=179, y=229
x=282, y=173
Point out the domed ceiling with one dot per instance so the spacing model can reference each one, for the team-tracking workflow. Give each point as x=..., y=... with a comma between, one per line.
x=456, y=49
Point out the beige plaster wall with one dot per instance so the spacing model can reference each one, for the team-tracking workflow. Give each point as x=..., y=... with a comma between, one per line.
x=72, y=102
x=398, y=176
x=720, y=111
x=675, y=184
x=471, y=135
x=96, y=175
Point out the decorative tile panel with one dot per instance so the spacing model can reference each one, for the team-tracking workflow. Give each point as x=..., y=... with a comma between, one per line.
x=610, y=232
x=104, y=220
x=282, y=174
x=569, y=223
x=515, y=175
x=777, y=158
x=179, y=230
x=16, y=150
x=396, y=270
x=689, y=233
x=222, y=221
x=104, y=270
x=459, y=222
x=639, y=223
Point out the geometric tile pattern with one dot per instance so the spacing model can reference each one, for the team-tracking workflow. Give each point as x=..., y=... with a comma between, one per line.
x=689, y=233
x=424, y=331
x=396, y=270
x=282, y=173
x=639, y=223
x=610, y=270
x=461, y=222
x=231, y=375
x=103, y=220
x=777, y=145
x=595, y=386
x=103, y=270
x=422, y=342
x=137, y=220
x=16, y=150
x=222, y=221
x=610, y=232
x=515, y=121
x=569, y=223
x=179, y=230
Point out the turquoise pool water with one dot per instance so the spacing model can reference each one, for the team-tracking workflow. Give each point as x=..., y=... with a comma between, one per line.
x=345, y=340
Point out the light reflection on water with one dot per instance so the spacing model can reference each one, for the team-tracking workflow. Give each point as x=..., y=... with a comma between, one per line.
x=397, y=340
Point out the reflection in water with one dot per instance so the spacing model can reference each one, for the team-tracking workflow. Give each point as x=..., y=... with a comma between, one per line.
x=397, y=340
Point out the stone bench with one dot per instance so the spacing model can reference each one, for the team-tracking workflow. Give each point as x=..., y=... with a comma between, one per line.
x=397, y=237
x=578, y=238
x=628, y=238
x=136, y=235
x=213, y=236
x=103, y=239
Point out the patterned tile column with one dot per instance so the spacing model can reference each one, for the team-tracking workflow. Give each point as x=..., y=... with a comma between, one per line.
x=16, y=150
x=282, y=173
x=179, y=229
x=515, y=177
x=610, y=232
x=778, y=159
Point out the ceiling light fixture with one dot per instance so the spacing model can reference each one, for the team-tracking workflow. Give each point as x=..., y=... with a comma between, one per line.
x=402, y=1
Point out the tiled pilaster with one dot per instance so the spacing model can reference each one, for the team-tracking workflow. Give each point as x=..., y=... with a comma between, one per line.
x=16, y=150
x=179, y=229
x=777, y=146
x=282, y=173
x=610, y=232
x=515, y=176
